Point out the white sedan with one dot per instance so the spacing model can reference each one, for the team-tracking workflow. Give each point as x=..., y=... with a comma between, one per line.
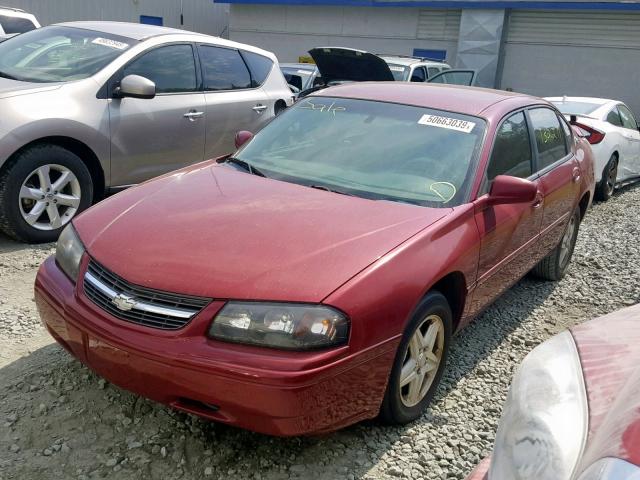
x=612, y=131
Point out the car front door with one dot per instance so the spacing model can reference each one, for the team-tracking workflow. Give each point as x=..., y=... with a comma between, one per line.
x=559, y=173
x=150, y=137
x=233, y=94
x=455, y=77
x=509, y=232
x=631, y=166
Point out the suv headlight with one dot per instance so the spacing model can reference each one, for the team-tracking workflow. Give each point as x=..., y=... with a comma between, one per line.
x=288, y=326
x=69, y=251
x=544, y=423
x=611, y=469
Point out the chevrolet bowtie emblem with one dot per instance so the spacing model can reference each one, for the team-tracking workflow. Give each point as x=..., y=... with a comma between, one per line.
x=124, y=302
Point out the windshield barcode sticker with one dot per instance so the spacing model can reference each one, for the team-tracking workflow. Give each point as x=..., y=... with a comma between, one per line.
x=105, y=42
x=446, y=122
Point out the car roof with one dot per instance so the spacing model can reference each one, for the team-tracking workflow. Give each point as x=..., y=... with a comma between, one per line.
x=135, y=31
x=466, y=100
x=400, y=60
x=592, y=100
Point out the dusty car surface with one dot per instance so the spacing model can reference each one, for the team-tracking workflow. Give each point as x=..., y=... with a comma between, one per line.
x=315, y=278
x=91, y=107
x=573, y=410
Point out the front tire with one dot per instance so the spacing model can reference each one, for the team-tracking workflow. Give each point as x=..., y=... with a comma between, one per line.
x=554, y=266
x=607, y=185
x=41, y=190
x=419, y=362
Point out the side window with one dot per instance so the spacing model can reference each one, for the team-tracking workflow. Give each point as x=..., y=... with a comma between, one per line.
x=614, y=118
x=16, y=24
x=418, y=75
x=550, y=139
x=171, y=68
x=259, y=66
x=511, y=150
x=567, y=132
x=223, y=69
x=628, y=120
x=433, y=71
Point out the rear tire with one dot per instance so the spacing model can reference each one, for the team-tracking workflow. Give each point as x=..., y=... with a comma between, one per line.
x=607, y=184
x=41, y=190
x=554, y=266
x=421, y=357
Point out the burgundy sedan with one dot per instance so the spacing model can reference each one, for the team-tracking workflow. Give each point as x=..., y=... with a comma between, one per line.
x=315, y=278
x=573, y=410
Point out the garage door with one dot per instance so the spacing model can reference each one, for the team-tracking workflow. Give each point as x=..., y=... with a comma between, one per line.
x=573, y=53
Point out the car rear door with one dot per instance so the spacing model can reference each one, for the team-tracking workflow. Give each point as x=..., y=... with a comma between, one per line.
x=234, y=99
x=150, y=137
x=509, y=232
x=558, y=170
x=631, y=166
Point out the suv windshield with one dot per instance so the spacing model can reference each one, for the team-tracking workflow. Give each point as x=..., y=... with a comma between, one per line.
x=375, y=150
x=59, y=54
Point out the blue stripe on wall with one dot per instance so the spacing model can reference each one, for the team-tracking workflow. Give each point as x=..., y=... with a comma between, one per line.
x=451, y=4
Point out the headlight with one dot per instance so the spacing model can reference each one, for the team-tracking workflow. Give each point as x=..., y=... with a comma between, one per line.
x=281, y=325
x=69, y=251
x=543, y=427
x=611, y=469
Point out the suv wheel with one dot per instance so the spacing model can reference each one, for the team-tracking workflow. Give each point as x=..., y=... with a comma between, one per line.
x=42, y=189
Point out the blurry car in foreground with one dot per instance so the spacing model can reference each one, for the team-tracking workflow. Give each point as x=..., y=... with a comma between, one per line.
x=315, y=278
x=14, y=21
x=91, y=107
x=573, y=409
x=612, y=131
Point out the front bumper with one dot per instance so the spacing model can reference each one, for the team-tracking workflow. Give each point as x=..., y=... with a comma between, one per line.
x=268, y=391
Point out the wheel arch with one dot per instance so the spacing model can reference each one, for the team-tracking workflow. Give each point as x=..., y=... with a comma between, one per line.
x=454, y=288
x=583, y=204
x=82, y=150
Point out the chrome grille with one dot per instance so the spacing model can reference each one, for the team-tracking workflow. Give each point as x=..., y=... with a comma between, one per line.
x=144, y=306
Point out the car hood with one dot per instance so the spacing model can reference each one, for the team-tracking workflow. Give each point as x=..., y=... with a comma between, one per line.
x=347, y=64
x=12, y=88
x=216, y=232
x=609, y=349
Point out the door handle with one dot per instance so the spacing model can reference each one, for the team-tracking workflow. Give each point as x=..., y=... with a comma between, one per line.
x=576, y=175
x=193, y=115
x=537, y=202
x=259, y=108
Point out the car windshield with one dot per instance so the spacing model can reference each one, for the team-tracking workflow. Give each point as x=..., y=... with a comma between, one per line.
x=400, y=73
x=59, y=54
x=375, y=150
x=577, y=108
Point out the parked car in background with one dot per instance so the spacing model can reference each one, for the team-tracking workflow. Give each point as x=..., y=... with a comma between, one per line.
x=573, y=409
x=14, y=21
x=92, y=107
x=336, y=253
x=337, y=65
x=301, y=76
x=413, y=69
x=612, y=131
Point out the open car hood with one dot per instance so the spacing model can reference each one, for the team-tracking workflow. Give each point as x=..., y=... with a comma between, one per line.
x=348, y=64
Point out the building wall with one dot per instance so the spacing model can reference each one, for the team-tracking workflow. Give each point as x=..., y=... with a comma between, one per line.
x=290, y=31
x=199, y=15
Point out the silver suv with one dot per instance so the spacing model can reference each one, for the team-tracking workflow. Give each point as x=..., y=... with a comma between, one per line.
x=93, y=107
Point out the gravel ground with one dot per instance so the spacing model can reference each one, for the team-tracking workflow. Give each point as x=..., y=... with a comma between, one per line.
x=58, y=420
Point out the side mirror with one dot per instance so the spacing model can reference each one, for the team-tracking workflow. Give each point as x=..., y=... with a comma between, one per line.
x=507, y=189
x=135, y=86
x=243, y=137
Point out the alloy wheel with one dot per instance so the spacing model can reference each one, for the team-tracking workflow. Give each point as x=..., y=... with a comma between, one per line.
x=611, y=177
x=422, y=360
x=49, y=197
